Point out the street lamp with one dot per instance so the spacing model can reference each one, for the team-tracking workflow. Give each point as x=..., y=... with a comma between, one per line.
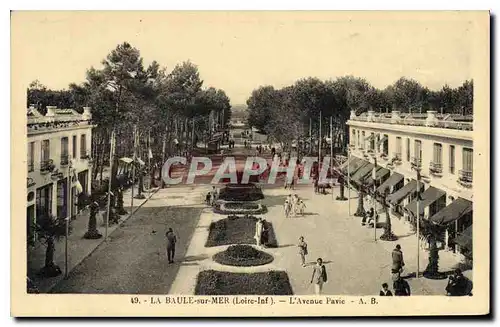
x=416, y=166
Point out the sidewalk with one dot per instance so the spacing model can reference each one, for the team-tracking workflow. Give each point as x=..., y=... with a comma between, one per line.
x=78, y=247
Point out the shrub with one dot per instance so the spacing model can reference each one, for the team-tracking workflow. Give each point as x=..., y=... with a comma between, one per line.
x=242, y=256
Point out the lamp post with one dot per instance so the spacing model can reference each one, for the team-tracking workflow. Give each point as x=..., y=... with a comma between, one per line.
x=68, y=217
x=348, y=179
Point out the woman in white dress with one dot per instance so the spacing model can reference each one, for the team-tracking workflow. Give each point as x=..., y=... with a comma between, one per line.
x=258, y=231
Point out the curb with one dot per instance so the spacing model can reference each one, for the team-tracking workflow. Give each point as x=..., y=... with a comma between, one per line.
x=153, y=192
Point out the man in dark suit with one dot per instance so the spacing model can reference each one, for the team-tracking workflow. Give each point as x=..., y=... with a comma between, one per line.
x=385, y=290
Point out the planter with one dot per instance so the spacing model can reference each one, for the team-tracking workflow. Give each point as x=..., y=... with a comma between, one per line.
x=242, y=256
x=239, y=208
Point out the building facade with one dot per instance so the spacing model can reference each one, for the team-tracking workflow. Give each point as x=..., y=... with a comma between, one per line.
x=437, y=147
x=58, y=163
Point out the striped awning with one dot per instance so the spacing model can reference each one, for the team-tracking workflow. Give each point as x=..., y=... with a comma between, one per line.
x=464, y=239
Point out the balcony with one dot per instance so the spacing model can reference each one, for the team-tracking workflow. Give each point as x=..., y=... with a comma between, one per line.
x=84, y=155
x=416, y=162
x=436, y=169
x=31, y=166
x=46, y=166
x=465, y=178
x=64, y=160
x=396, y=159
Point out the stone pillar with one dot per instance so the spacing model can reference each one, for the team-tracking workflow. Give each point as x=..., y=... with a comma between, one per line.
x=431, y=119
x=395, y=118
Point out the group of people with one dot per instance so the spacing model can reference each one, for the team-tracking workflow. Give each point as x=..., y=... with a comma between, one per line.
x=370, y=218
x=261, y=232
x=293, y=205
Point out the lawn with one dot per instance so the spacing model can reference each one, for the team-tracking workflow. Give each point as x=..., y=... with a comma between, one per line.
x=212, y=282
x=228, y=208
x=242, y=256
x=236, y=230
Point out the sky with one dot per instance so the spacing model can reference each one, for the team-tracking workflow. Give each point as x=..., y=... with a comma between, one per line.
x=239, y=51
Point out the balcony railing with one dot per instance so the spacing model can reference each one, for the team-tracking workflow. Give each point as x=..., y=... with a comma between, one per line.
x=46, y=166
x=461, y=125
x=64, y=159
x=416, y=162
x=31, y=166
x=435, y=168
x=465, y=176
x=84, y=155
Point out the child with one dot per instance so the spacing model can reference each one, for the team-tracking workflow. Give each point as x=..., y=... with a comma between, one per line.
x=385, y=290
x=302, y=250
x=287, y=207
x=301, y=207
x=295, y=202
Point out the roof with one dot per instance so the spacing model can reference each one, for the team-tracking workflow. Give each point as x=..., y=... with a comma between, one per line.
x=391, y=181
x=455, y=210
x=431, y=195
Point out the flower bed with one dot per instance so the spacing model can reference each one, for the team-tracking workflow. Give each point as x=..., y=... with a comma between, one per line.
x=240, y=208
x=242, y=256
x=241, y=192
x=237, y=230
x=212, y=282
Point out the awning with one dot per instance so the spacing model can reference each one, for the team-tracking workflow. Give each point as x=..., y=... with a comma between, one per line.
x=390, y=182
x=465, y=239
x=126, y=160
x=355, y=165
x=402, y=193
x=427, y=198
x=362, y=172
x=380, y=174
x=350, y=161
x=455, y=210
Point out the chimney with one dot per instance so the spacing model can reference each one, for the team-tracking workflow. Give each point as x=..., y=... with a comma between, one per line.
x=395, y=118
x=87, y=113
x=370, y=116
x=431, y=119
x=51, y=111
x=353, y=114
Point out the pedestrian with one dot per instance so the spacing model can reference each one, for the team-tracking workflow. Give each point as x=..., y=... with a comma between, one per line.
x=214, y=195
x=302, y=250
x=301, y=207
x=401, y=287
x=458, y=285
x=258, y=232
x=316, y=184
x=287, y=208
x=385, y=290
x=171, y=241
x=319, y=276
x=368, y=216
x=295, y=203
x=397, y=260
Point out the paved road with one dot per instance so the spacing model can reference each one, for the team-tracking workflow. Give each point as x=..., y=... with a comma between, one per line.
x=133, y=261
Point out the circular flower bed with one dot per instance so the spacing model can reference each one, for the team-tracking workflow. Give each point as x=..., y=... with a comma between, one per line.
x=239, y=208
x=242, y=256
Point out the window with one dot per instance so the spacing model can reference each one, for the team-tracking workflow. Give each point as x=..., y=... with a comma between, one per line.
x=437, y=157
x=358, y=143
x=465, y=175
x=362, y=140
x=75, y=145
x=353, y=138
x=31, y=156
x=372, y=141
x=467, y=160
x=452, y=159
x=407, y=149
x=417, y=160
x=385, y=145
x=83, y=146
x=399, y=148
x=64, y=151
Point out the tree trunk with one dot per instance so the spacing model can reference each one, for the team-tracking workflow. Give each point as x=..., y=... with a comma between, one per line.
x=92, y=232
x=432, y=269
x=360, y=211
x=388, y=235
x=49, y=252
